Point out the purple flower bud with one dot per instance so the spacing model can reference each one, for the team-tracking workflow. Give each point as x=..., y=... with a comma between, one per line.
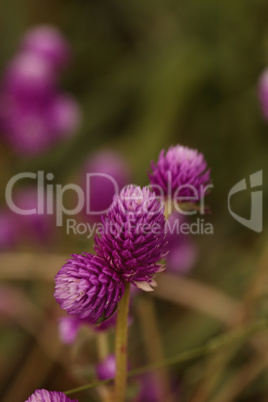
x=26, y=129
x=87, y=287
x=263, y=93
x=149, y=389
x=104, y=174
x=133, y=237
x=107, y=368
x=64, y=116
x=29, y=78
x=42, y=395
x=68, y=329
x=36, y=226
x=181, y=173
x=47, y=42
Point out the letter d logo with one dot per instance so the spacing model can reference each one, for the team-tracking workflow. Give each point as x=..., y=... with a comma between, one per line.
x=255, y=221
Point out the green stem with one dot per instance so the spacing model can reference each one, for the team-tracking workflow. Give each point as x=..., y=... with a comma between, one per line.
x=121, y=346
x=215, y=344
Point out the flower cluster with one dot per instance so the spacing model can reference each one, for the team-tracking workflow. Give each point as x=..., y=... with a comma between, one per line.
x=34, y=113
x=90, y=286
x=131, y=244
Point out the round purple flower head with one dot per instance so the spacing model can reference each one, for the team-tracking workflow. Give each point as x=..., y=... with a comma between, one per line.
x=107, y=368
x=180, y=173
x=87, y=287
x=133, y=237
x=42, y=395
x=47, y=42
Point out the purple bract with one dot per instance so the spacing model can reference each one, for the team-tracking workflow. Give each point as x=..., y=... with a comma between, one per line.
x=42, y=395
x=87, y=287
x=133, y=236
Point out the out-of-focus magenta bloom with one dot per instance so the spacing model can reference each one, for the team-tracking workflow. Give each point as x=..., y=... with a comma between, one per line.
x=133, y=239
x=42, y=395
x=106, y=369
x=182, y=251
x=34, y=114
x=64, y=116
x=180, y=173
x=87, y=287
x=37, y=226
x=263, y=93
x=29, y=79
x=104, y=175
x=8, y=230
x=48, y=43
x=26, y=129
x=149, y=390
x=70, y=325
x=68, y=328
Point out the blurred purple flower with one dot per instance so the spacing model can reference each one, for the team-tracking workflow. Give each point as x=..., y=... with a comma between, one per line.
x=263, y=93
x=48, y=43
x=29, y=79
x=87, y=287
x=109, y=173
x=36, y=227
x=133, y=238
x=34, y=115
x=149, y=391
x=26, y=129
x=64, y=116
x=8, y=230
x=42, y=395
x=68, y=328
x=181, y=172
x=182, y=251
x=106, y=369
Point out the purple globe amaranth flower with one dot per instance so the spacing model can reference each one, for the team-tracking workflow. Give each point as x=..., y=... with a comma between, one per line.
x=26, y=130
x=29, y=79
x=42, y=395
x=103, y=175
x=87, y=287
x=36, y=225
x=263, y=93
x=49, y=43
x=106, y=369
x=69, y=327
x=64, y=116
x=149, y=389
x=133, y=236
x=180, y=173
x=32, y=129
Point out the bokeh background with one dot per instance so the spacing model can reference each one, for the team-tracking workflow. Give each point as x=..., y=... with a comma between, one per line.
x=147, y=75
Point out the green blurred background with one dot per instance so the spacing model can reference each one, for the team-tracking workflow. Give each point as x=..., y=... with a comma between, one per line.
x=150, y=74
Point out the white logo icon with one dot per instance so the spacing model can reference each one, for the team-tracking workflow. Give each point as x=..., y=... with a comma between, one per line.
x=255, y=221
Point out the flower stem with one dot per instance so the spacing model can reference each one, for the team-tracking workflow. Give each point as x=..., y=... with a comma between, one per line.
x=121, y=346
